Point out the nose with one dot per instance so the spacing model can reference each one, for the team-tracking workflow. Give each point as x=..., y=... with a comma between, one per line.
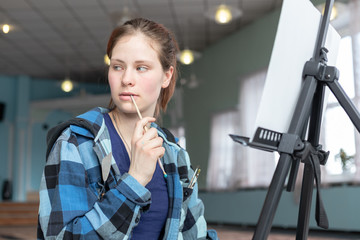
x=128, y=78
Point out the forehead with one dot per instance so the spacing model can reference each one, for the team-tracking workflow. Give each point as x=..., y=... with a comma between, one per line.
x=138, y=40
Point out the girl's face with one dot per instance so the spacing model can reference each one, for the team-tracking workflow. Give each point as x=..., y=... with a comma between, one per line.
x=135, y=69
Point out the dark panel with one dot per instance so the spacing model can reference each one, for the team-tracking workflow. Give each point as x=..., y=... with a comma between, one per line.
x=2, y=111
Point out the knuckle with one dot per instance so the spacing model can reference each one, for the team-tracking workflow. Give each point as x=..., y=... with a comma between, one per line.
x=159, y=141
x=138, y=144
x=153, y=155
x=138, y=125
x=153, y=131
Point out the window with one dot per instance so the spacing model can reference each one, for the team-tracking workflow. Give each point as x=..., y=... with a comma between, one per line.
x=338, y=131
x=230, y=164
x=224, y=154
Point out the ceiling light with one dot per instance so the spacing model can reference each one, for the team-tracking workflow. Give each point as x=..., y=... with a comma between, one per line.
x=67, y=85
x=188, y=56
x=334, y=13
x=6, y=28
x=107, y=60
x=223, y=14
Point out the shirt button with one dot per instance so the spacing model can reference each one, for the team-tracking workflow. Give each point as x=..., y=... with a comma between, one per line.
x=186, y=193
x=137, y=220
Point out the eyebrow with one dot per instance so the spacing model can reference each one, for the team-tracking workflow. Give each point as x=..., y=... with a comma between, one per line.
x=137, y=61
x=116, y=60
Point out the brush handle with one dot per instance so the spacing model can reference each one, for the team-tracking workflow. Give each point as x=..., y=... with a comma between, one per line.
x=145, y=128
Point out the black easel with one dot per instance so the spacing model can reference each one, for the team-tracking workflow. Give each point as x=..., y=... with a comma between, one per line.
x=292, y=146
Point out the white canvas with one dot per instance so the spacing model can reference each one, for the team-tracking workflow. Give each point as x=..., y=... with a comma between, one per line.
x=294, y=45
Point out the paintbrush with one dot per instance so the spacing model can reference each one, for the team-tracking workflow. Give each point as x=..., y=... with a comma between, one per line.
x=139, y=114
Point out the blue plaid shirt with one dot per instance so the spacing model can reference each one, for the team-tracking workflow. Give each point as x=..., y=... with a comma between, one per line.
x=84, y=196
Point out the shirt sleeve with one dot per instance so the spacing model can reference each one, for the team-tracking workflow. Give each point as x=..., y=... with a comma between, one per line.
x=70, y=205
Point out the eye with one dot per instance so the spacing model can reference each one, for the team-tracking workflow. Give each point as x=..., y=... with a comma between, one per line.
x=117, y=67
x=142, y=68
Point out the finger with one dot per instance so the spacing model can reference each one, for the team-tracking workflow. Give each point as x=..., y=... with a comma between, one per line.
x=139, y=127
x=150, y=134
x=148, y=144
x=147, y=126
x=158, y=152
x=152, y=144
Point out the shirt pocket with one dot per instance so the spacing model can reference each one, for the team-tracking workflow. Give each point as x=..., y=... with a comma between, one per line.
x=187, y=193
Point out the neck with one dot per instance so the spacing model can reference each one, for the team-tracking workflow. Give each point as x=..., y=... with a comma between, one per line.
x=124, y=124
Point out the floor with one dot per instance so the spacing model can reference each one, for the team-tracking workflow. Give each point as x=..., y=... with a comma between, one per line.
x=237, y=233
x=224, y=233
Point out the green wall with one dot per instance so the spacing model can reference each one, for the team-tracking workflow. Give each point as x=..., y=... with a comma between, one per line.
x=243, y=208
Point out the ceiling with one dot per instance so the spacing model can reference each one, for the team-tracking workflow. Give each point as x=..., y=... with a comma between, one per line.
x=52, y=39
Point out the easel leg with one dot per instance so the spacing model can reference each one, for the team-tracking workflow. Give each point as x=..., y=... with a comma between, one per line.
x=273, y=197
x=305, y=203
x=346, y=103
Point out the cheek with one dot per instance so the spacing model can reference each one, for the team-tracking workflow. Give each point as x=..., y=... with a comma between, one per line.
x=112, y=82
x=151, y=88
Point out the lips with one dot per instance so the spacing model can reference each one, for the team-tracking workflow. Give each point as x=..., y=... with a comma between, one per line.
x=127, y=94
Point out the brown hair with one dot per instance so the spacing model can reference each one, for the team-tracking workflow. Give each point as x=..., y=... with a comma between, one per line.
x=167, y=50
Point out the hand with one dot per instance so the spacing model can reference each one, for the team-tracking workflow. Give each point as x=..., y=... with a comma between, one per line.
x=146, y=148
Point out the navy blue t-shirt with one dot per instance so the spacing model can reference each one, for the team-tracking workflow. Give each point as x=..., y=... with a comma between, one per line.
x=152, y=221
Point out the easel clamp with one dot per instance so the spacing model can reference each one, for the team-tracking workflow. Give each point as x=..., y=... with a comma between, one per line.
x=310, y=151
x=320, y=70
x=290, y=143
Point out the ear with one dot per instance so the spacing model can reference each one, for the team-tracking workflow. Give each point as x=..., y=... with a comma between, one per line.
x=167, y=77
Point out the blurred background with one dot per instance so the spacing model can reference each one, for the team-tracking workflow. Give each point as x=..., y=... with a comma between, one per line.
x=53, y=67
